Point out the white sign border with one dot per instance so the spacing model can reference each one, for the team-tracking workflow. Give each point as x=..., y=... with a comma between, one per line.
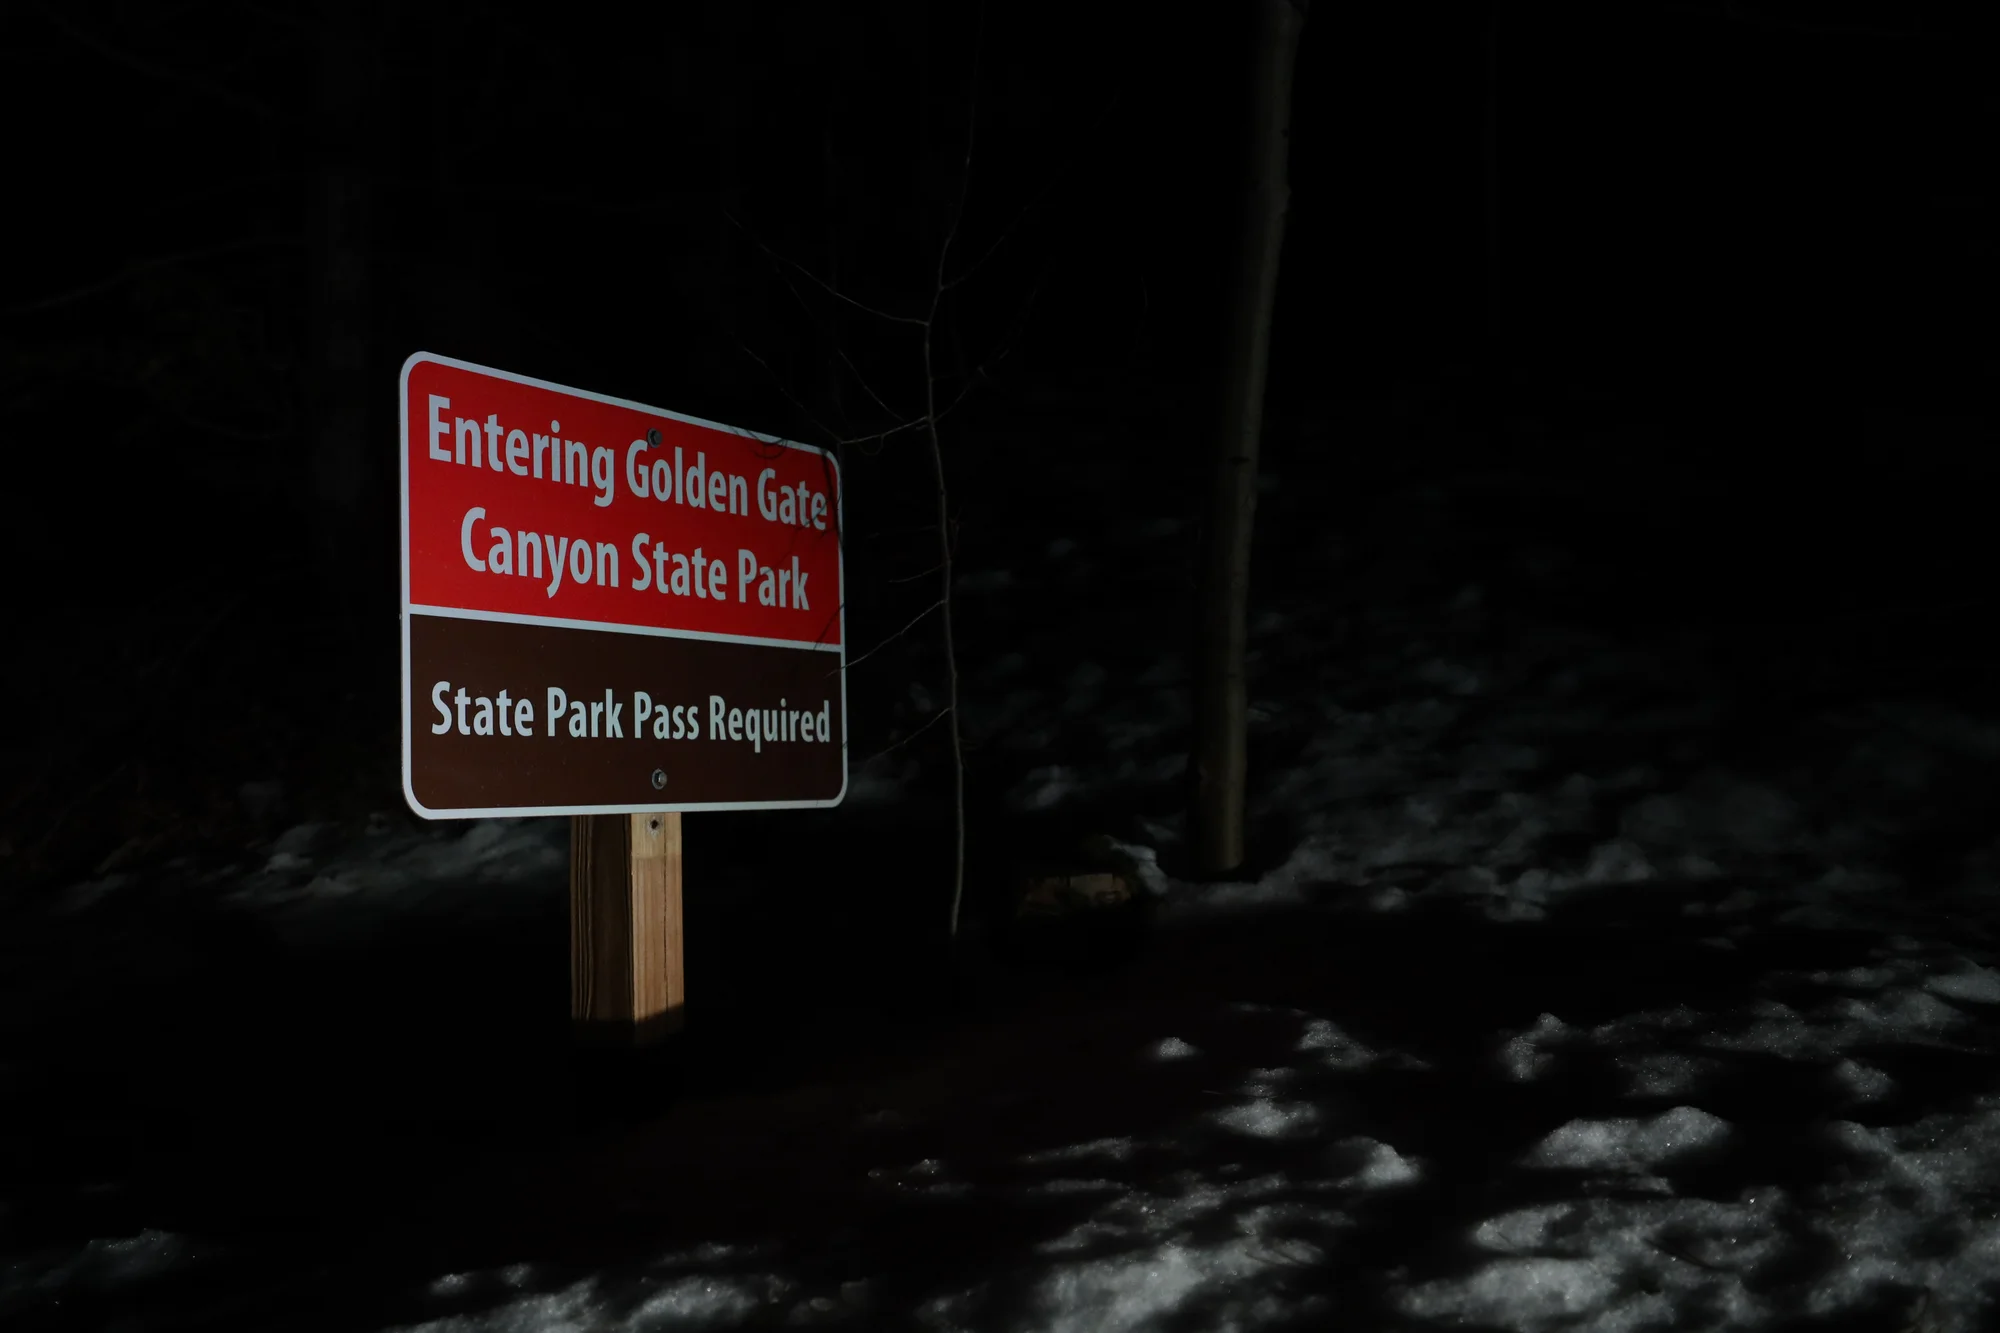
x=408, y=609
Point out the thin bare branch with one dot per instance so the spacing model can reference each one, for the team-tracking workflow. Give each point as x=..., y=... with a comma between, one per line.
x=881, y=533
x=979, y=371
x=184, y=78
x=938, y=288
x=241, y=434
x=300, y=25
x=820, y=282
x=879, y=436
x=1047, y=187
x=914, y=621
x=866, y=387
x=891, y=749
x=138, y=269
x=785, y=389
x=840, y=350
x=1750, y=18
x=832, y=435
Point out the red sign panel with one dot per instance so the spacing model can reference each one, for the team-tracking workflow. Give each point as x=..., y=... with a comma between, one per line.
x=658, y=576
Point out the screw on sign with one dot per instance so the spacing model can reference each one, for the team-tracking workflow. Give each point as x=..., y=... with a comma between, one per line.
x=597, y=594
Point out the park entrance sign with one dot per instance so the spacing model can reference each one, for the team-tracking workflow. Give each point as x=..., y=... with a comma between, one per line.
x=610, y=608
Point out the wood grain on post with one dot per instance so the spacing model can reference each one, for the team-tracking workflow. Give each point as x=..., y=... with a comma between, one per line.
x=627, y=983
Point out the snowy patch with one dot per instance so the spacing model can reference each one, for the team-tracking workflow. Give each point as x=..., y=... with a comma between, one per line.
x=1268, y=1119
x=1045, y=788
x=1266, y=1082
x=261, y=798
x=1861, y=1082
x=1004, y=667
x=445, y=867
x=1629, y=1145
x=1064, y=1185
x=879, y=781
x=1451, y=677
x=1137, y=1291
x=1776, y=1029
x=923, y=1177
x=1115, y=1149
x=887, y=1118
x=1900, y=1215
x=1666, y=1073
x=1193, y=901
x=1333, y=1047
x=577, y=1307
x=1617, y=862
x=1370, y=1164
x=985, y=580
x=1647, y=1027
x=1717, y=815
x=1505, y=907
x=700, y=1302
x=1144, y=864
x=1526, y=1056
x=1085, y=682
x=1173, y=1048
x=88, y=894
x=1614, y=1264
x=1897, y=1013
x=101, y=1264
x=1231, y=1253
x=1970, y=983
x=1518, y=1293
x=1890, y=1014
x=1858, y=978
x=301, y=839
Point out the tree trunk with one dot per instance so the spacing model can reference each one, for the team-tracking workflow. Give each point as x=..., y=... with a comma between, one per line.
x=338, y=304
x=1493, y=353
x=833, y=407
x=1220, y=759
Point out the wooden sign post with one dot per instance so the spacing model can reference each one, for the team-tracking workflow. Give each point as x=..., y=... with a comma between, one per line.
x=627, y=982
x=615, y=613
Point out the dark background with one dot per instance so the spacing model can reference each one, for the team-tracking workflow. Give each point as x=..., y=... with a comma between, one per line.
x=1704, y=286
x=1669, y=320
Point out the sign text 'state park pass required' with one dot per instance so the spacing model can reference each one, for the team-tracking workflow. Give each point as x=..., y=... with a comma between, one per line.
x=609, y=608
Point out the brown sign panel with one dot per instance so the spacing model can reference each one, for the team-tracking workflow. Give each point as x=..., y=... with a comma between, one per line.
x=610, y=608
x=518, y=718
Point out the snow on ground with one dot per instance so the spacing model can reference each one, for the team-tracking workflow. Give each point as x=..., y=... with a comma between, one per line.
x=1443, y=765
x=312, y=889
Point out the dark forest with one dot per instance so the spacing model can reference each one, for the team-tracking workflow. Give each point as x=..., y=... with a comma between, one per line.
x=1610, y=938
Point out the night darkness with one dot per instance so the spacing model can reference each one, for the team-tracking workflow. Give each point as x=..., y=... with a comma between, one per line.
x=1614, y=944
